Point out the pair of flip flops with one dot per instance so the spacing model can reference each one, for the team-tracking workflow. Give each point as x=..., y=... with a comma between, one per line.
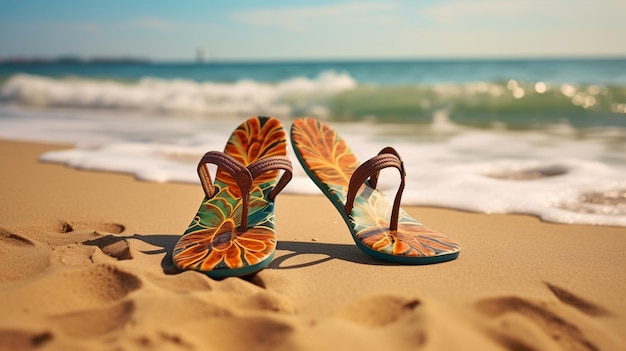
x=233, y=232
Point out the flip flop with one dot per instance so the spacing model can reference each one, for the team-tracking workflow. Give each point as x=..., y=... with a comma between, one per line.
x=378, y=226
x=233, y=233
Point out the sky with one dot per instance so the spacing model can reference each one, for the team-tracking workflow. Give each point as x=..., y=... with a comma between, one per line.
x=312, y=30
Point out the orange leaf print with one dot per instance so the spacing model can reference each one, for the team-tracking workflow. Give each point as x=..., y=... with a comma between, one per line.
x=253, y=140
x=325, y=153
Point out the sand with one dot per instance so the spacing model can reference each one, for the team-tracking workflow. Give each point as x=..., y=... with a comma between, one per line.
x=86, y=265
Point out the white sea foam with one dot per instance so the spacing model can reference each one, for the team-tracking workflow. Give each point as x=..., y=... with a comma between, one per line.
x=551, y=175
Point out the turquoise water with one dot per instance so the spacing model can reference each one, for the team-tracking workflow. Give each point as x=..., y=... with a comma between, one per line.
x=396, y=73
x=519, y=94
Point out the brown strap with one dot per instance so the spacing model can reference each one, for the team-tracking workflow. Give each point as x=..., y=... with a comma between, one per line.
x=236, y=169
x=243, y=175
x=271, y=163
x=225, y=162
x=370, y=169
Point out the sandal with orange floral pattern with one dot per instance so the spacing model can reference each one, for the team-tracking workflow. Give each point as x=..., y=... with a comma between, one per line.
x=378, y=226
x=233, y=233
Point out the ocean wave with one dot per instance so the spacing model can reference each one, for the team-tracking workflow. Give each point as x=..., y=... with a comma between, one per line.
x=297, y=95
x=337, y=96
x=511, y=104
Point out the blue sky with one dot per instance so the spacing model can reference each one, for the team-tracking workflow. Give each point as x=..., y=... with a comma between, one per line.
x=279, y=29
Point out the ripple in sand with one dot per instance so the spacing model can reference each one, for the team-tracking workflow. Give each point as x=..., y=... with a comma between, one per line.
x=521, y=320
x=15, y=239
x=528, y=173
x=577, y=302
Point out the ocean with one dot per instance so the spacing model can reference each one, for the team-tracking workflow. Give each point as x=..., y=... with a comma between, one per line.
x=544, y=137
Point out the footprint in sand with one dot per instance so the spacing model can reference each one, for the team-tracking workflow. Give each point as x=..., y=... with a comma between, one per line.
x=102, y=283
x=17, y=249
x=378, y=311
x=22, y=339
x=101, y=235
x=163, y=338
x=247, y=296
x=74, y=289
x=67, y=235
x=105, y=227
x=94, y=322
x=185, y=282
x=78, y=302
x=113, y=246
x=535, y=325
x=44, y=245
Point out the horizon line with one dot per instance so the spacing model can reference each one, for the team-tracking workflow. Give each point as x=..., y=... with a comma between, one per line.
x=101, y=59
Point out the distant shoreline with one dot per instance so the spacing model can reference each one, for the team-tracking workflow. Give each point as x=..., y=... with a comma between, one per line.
x=71, y=60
